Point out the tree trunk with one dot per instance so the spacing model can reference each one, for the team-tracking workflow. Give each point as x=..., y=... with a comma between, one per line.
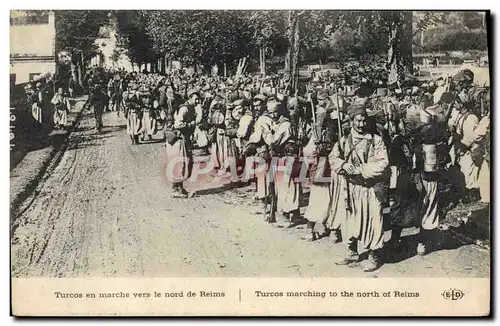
x=262, y=53
x=261, y=59
x=80, y=76
x=82, y=60
x=292, y=58
x=400, y=57
x=289, y=39
x=406, y=41
x=162, y=65
x=74, y=72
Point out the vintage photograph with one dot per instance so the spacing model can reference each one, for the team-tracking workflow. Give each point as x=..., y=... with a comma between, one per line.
x=249, y=143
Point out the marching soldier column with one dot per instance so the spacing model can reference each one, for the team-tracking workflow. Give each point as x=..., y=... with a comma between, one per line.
x=363, y=148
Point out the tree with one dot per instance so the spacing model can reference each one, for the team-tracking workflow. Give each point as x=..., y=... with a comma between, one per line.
x=76, y=32
x=393, y=26
x=132, y=35
x=268, y=33
x=294, y=44
x=206, y=37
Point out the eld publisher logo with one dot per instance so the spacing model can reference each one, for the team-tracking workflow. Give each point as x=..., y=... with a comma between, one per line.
x=453, y=294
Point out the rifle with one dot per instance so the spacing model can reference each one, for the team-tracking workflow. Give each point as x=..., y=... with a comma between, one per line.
x=339, y=122
x=271, y=196
x=309, y=99
x=270, y=200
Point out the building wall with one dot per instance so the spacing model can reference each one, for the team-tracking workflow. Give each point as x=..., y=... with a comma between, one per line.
x=32, y=49
x=26, y=69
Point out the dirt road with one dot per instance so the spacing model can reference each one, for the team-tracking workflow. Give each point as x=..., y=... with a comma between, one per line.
x=105, y=210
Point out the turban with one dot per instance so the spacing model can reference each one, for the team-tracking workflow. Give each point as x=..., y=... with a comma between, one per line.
x=356, y=109
x=272, y=106
x=260, y=97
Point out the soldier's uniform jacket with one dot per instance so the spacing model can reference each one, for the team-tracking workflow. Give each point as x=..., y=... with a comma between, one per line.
x=61, y=102
x=130, y=102
x=329, y=136
x=282, y=138
x=263, y=126
x=232, y=124
x=245, y=125
x=184, y=120
x=162, y=96
x=170, y=106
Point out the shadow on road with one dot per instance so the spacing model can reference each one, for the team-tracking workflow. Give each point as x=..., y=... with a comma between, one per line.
x=84, y=141
x=33, y=142
x=407, y=247
x=221, y=189
x=110, y=129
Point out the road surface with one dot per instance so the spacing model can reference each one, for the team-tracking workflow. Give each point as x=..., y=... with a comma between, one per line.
x=106, y=210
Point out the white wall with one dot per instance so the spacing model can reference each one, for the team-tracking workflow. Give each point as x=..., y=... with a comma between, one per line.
x=23, y=69
x=33, y=40
x=32, y=49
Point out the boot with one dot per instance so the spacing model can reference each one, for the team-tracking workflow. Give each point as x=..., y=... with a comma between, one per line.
x=423, y=242
x=395, y=237
x=295, y=217
x=176, y=191
x=312, y=235
x=352, y=254
x=150, y=138
x=374, y=261
x=334, y=235
x=185, y=193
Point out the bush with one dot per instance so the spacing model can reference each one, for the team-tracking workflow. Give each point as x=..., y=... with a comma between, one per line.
x=456, y=39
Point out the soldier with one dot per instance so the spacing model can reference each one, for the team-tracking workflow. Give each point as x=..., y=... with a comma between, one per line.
x=132, y=113
x=362, y=157
x=200, y=137
x=148, y=121
x=483, y=139
x=61, y=108
x=171, y=104
x=258, y=146
x=284, y=150
x=233, y=145
x=179, y=146
x=463, y=123
x=37, y=105
x=98, y=101
x=393, y=131
x=217, y=133
x=246, y=122
x=324, y=136
x=430, y=161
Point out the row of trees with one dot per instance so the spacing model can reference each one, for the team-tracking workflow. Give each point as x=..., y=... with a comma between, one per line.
x=221, y=37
